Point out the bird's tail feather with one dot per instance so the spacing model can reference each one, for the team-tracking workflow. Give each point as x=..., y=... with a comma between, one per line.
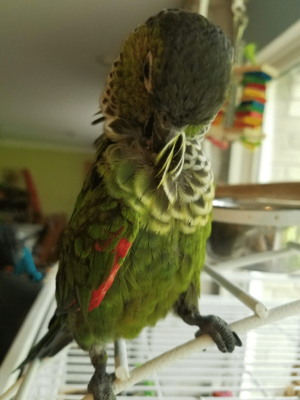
x=57, y=337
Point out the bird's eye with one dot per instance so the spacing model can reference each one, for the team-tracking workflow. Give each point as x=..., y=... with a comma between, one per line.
x=148, y=128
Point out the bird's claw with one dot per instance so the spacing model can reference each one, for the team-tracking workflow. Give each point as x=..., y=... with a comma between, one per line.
x=100, y=386
x=220, y=332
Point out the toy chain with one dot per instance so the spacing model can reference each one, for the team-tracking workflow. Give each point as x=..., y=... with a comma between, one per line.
x=240, y=22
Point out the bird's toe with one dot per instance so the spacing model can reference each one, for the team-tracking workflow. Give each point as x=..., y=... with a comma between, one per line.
x=220, y=332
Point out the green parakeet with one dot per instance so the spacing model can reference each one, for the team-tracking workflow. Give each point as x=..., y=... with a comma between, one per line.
x=135, y=244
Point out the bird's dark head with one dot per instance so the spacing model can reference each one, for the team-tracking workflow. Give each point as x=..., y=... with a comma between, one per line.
x=172, y=75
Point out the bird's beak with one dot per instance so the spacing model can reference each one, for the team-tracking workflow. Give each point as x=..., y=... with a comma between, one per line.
x=163, y=133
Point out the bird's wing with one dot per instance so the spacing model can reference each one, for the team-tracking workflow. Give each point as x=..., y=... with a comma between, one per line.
x=96, y=242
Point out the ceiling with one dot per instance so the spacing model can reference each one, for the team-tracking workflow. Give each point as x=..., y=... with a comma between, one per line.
x=54, y=58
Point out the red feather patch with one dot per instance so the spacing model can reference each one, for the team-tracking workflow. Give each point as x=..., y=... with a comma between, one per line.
x=98, y=295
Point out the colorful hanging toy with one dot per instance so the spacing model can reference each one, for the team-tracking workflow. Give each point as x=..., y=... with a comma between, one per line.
x=248, y=116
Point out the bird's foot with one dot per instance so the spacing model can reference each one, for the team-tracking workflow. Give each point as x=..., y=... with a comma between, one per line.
x=100, y=385
x=219, y=331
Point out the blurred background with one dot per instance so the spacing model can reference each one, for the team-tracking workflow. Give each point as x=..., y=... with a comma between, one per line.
x=55, y=56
